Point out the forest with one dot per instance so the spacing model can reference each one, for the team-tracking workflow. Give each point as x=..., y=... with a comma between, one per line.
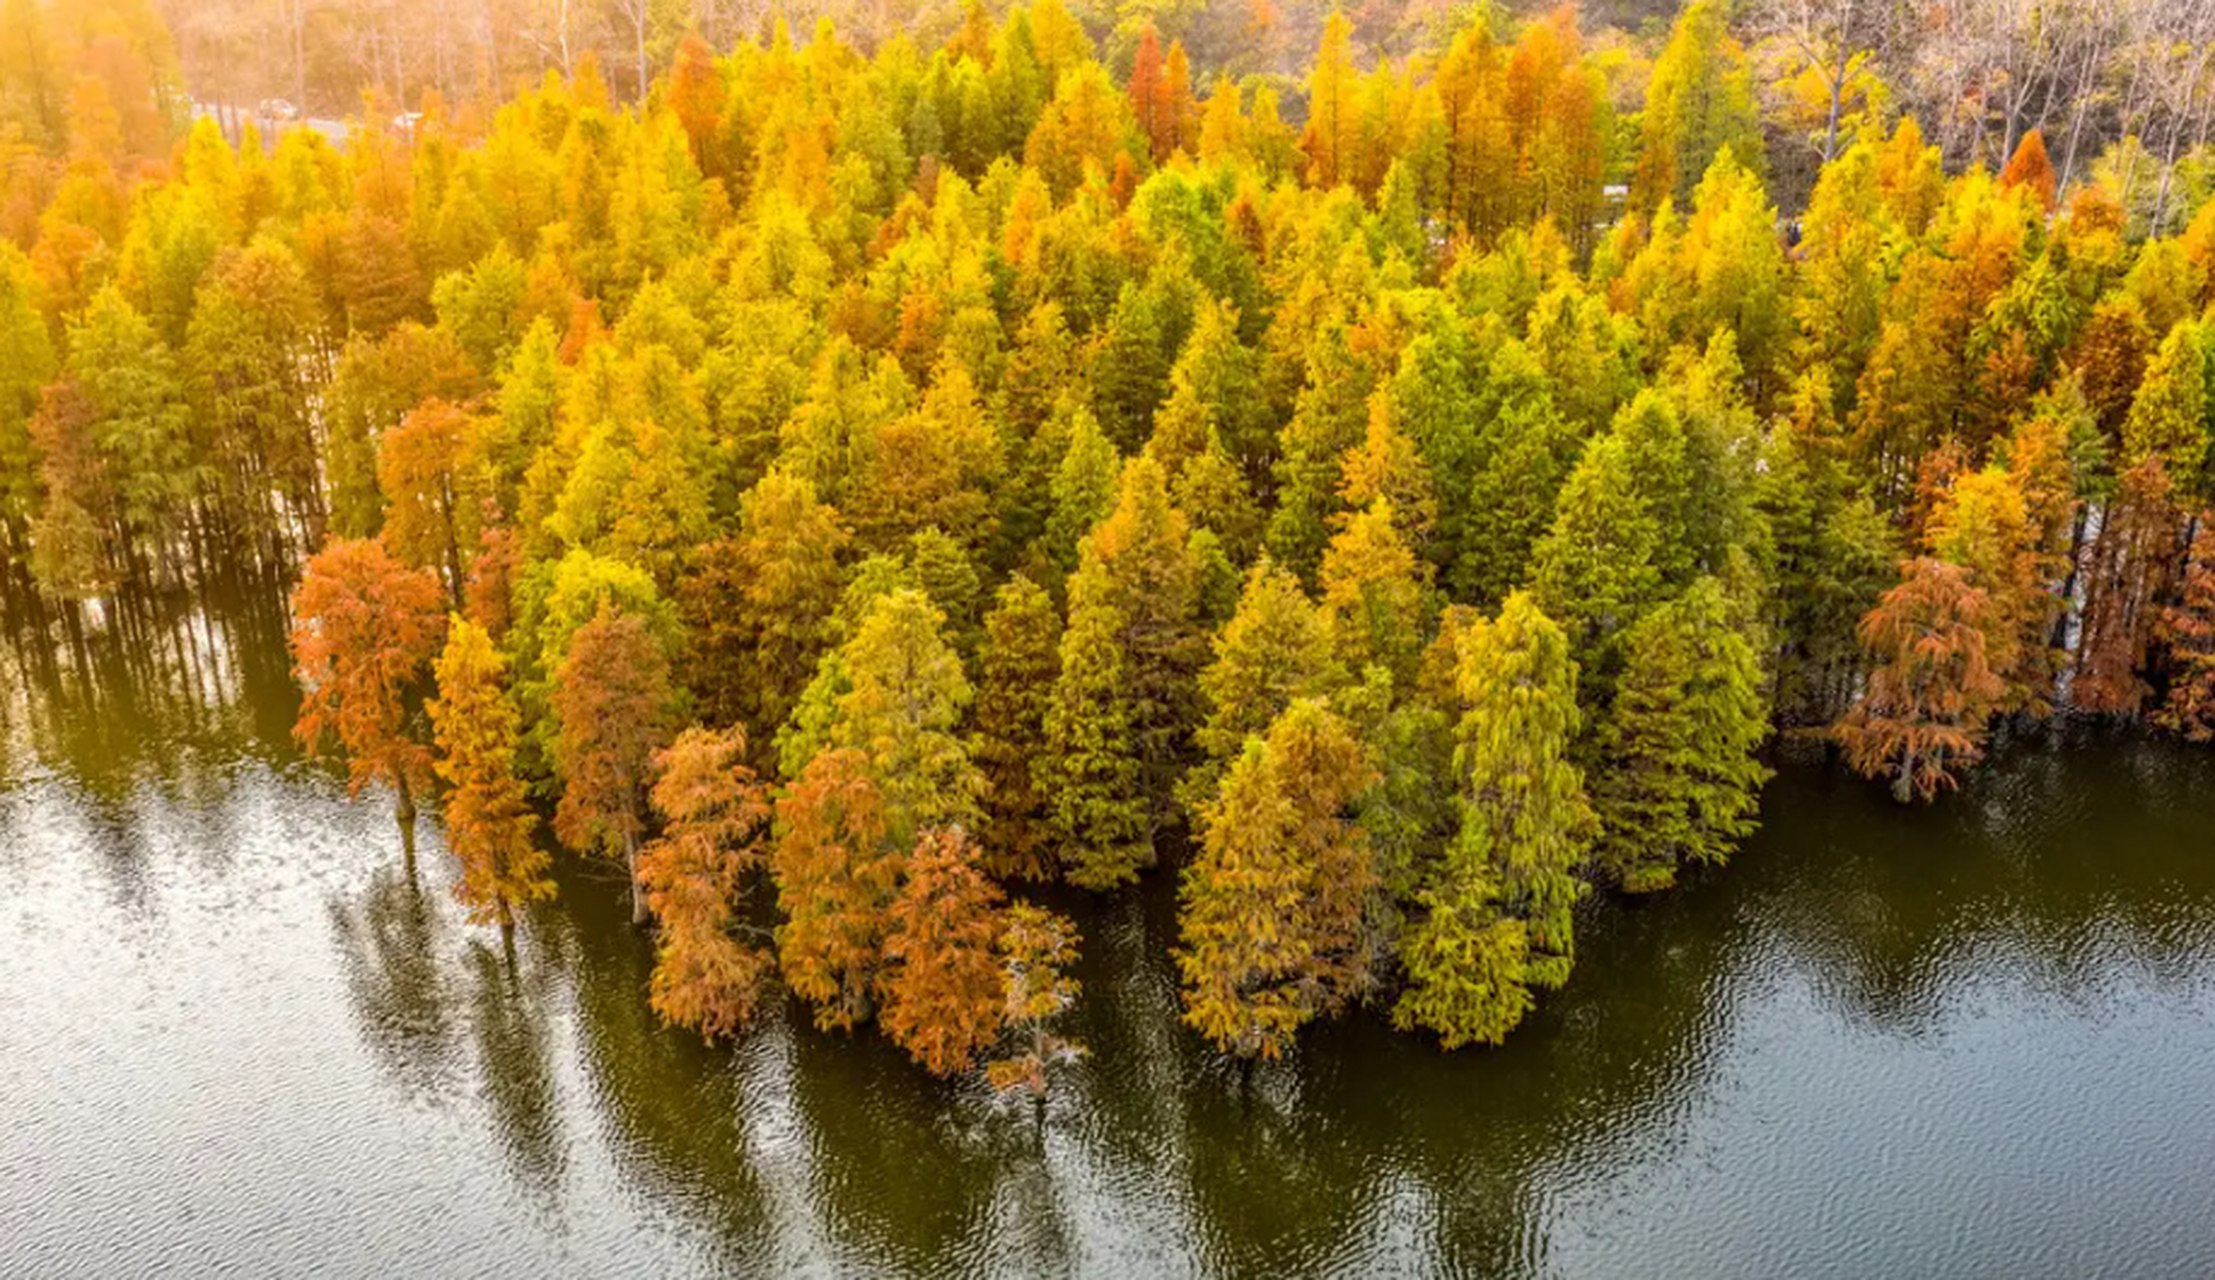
x=856, y=489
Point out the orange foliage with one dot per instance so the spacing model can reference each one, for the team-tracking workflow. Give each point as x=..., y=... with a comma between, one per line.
x=717, y=816
x=1923, y=713
x=2030, y=167
x=836, y=877
x=943, y=989
x=2124, y=577
x=364, y=628
x=612, y=699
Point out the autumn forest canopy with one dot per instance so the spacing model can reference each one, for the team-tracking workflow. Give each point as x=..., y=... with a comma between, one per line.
x=1393, y=472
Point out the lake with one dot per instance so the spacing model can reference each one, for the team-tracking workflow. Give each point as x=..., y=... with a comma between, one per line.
x=1976, y=1039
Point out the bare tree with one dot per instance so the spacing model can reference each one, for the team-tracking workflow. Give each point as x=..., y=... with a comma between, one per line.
x=1833, y=38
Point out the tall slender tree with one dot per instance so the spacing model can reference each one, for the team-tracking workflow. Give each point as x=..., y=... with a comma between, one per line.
x=364, y=629
x=489, y=822
x=614, y=702
x=715, y=830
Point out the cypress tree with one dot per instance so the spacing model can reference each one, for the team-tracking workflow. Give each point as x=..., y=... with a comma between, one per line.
x=1276, y=648
x=1099, y=809
x=1022, y=664
x=1678, y=782
x=1497, y=916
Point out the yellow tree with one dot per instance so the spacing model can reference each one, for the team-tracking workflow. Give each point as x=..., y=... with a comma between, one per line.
x=489, y=823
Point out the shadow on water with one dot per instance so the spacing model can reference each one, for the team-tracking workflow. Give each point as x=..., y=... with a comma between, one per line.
x=1707, y=1096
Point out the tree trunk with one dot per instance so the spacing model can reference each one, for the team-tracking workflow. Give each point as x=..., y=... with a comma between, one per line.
x=403, y=808
x=640, y=916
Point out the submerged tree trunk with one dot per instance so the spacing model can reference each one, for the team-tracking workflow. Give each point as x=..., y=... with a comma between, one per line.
x=403, y=808
x=640, y=916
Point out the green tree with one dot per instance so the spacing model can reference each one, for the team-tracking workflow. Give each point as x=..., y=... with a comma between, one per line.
x=1497, y=915
x=1272, y=909
x=905, y=698
x=1095, y=772
x=1678, y=782
x=1021, y=666
x=1595, y=570
x=1376, y=594
x=1276, y=648
x=1141, y=563
x=1084, y=487
x=141, y=423
x=758, y=604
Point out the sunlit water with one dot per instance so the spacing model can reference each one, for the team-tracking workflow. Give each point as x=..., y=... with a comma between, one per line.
x=1977, y=1040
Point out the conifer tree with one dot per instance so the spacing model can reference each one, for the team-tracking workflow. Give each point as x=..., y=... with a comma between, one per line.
x=1275, y=649
x=433, y=491
x=489, y=822
x=1497, y=916
x=71, y=545
x=1596, y=569
x=1084, y=487
x=1101, y=817
x=713, y=842
x=1021, y=664
x=613, y=703
x=2126, y=574
x=1142, y=564
x=1244, y=954
x=2031, y=168
x=2189, y=627
x=1984, y=526
x=1519, y=684
x=1332, y=141
x=1677, y=781
x=1699, y=102
x=1037, y=948
x=837, y=874
x=1924, y=711
x=1150, y=105
x=1376, y=594
x=905, y=696
x=944, y=988
x=757, y=604
x=364, y=629
x=1274, y=906
x=141, y=420
x=2168, y=415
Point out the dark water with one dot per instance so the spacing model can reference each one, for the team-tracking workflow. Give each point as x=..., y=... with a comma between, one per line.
x=235, y=1038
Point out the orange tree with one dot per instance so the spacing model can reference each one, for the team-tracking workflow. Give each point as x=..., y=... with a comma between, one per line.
x=364, y=626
